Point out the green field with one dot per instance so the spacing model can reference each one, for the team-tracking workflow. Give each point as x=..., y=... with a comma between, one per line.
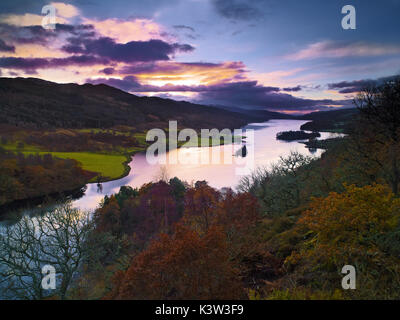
x=109, y=166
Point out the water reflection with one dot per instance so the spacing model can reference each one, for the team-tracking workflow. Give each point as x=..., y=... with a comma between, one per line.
x=267, y=149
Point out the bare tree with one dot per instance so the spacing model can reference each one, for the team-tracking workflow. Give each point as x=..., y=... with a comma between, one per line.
x=279, y=188
x=57, y=239
x=380, y=110
x=162, y=174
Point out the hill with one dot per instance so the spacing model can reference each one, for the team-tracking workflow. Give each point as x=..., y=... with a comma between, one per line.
x=260, y=114
x=35, y=103
x=331, y=121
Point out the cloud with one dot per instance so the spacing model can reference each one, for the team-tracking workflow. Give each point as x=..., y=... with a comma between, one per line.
x=6, y=47
x=292, y=89
x=39, y=35
x=181, y=68
x=31, y=64
x=27, y=19
x=252, y=95
x=238, y=9
x=65, y=10
x=128, y=83
x=358, y=85
x=108, y=71
x=187, y=73
x=152, y=50
x=131, y=29
x=333, y=49
x=183, y=27
x=244, y=94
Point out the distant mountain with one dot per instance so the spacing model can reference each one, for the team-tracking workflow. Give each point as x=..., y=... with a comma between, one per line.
x=338, y=114
x=31, y=102
x=335, y=120
x=260, y=114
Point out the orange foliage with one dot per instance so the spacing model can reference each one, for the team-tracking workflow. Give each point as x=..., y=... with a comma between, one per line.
x=344, y=226
x=108, y=218
x=182, y=266
x=200, y=205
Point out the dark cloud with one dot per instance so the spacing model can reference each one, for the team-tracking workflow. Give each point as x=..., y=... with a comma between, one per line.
x=25, y=35
x=31, y=64
x=108, y=71
x=128, y=83
x=292, y=89
x=187, y=31
x=251, y=95
x=6, y=47
x=357, y=85
x=183, y=27
x=239, y=9
x=178, y=67
x=152, y=50
x=245, y=94
x=39, y=35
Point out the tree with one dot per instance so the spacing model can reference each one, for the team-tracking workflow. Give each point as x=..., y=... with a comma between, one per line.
x=200, y=205
x=237, y=214
x=162, y=175
x=280, y=188
x=184, y=265
x=108, y=218
x=57, y=239
x=380, y=109
x=353, y=227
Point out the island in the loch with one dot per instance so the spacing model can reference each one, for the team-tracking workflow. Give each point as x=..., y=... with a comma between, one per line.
x=297, y=135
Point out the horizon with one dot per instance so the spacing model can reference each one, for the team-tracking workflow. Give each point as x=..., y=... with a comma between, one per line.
x=291, y=58
x=224, y=107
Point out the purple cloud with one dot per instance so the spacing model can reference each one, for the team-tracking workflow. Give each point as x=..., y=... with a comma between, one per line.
x=357, y=85
x=292, y=89
x=239, y=9
x=6, y=47
x=183, y=27
x=245, y=94
x=175, y=67
x=152, y=50
x=129, y=83
x=39, y=35
x=31, y=64
x=108, y=71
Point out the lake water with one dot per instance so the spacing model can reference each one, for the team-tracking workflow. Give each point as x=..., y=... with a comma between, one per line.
x=265, y=148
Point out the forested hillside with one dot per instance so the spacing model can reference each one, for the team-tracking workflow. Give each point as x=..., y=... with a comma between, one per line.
x=36, y=103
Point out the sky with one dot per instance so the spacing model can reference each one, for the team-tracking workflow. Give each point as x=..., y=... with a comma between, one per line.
x=289, y=56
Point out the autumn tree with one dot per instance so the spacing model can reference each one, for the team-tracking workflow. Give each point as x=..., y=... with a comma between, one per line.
x=140, y=214
x=356, y=227
x=108, y=217
x=200, y=205
x=184, y=265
